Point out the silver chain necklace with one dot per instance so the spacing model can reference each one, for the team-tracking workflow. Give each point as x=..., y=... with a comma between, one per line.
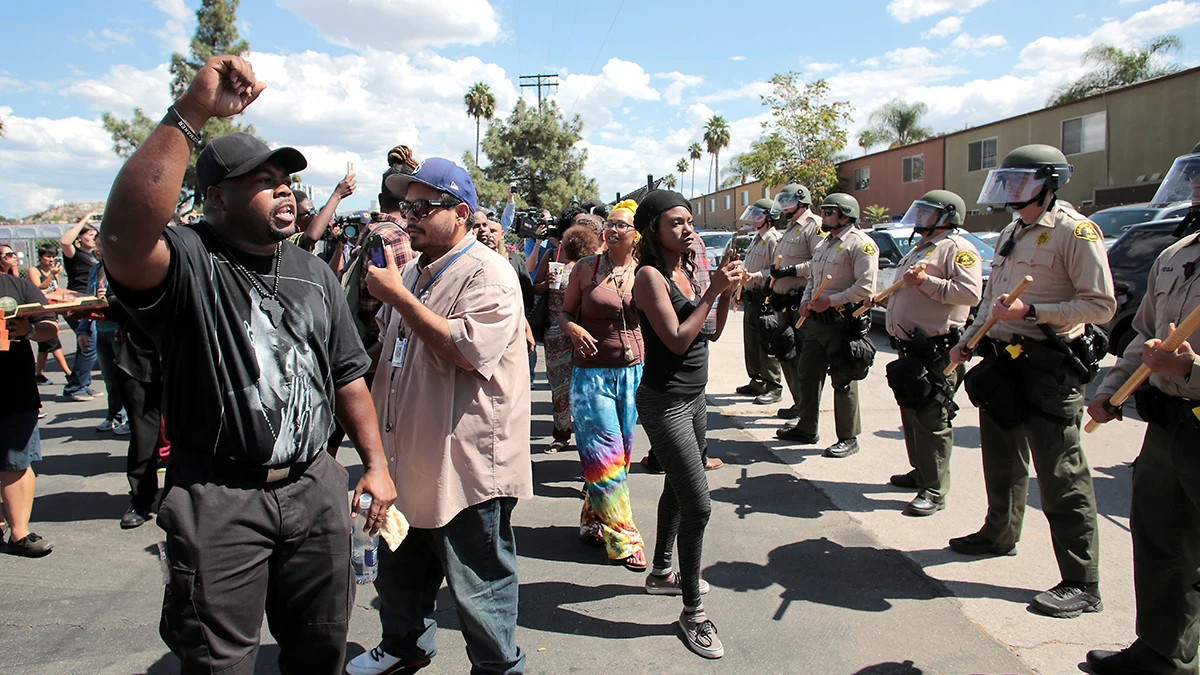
x=270, y=299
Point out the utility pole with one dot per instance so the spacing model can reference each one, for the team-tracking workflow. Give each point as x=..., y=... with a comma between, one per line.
x=539, y=81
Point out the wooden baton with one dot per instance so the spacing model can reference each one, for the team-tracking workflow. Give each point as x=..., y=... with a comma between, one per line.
x=817, y=294
x=778, y=262
x=991, y=321
x=890, y=289
x=1177, y=337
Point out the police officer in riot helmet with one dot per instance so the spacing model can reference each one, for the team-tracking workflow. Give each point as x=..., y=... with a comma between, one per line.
x=1037, y=360
x=943, y=279
x=1164, y=518
x=801, y=234
x=766, y=378
x=835, y=342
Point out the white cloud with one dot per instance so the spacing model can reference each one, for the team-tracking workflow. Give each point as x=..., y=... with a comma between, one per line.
x=123, y=88
x=944, y=28
x=816, y=67
x=911, y=56
x=1128, y=2
x=399, y=25
x=593, y=97
x=45, y=161
x=978, y=45
x=173, y=33
x=737, y=58
x=174, y=9
x=750, y=91
x=679, y=82
x=908, y=10
x=105, y=38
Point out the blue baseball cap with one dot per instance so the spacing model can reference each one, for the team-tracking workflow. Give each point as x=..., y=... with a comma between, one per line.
x=440, y=174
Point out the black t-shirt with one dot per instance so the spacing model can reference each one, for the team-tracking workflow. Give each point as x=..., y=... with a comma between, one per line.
x=518, y=264
x=666, y=371
x=17, y=364
x=136, y=355
x=234, y=385
x=78, y=267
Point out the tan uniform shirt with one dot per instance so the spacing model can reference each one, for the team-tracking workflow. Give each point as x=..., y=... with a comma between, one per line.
x=851, y=258
x=1064, y=253
x=797, y=245
x=456, y=438
x=953, y=284
x=760, y=256
x=1171, y=294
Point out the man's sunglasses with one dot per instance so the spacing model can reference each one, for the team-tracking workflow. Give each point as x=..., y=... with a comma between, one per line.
x=421, y=208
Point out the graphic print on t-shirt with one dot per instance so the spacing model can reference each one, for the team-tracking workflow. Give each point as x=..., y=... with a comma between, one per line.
x=289, y=395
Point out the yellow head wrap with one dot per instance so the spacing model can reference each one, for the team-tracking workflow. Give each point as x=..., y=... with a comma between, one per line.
x=627, y=205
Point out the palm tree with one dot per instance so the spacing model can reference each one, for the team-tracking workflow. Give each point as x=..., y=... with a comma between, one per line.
x=735, y=174
x=695, y=152
x=1115, y=67
x=682, y=167
x=895, y=123
x=716, y=136
x=1, y=128
x=481, y=104
x=669, y=181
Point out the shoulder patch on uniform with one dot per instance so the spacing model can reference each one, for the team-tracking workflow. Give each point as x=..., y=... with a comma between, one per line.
x=966, y=259
x=822, y=232
x=839, y=248
x=1043, y=238
x=1086, y=230
x=869, y=248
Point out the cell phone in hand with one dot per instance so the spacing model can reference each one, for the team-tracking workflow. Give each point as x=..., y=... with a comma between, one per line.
x=376, y=251
x=512, y=189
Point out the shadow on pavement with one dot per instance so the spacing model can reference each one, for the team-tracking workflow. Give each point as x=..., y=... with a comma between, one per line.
x=859, y=578
x=65, y=507
x=564, y=470
x=87, y=465
x=891, y=668
x=557, y=543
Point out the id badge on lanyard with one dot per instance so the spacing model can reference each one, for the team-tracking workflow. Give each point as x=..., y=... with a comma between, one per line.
x=399, y=351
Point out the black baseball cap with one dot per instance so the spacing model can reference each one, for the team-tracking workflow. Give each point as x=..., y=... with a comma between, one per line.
x=238, y=154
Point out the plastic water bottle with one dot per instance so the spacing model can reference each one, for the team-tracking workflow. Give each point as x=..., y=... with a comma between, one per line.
x=364, y=548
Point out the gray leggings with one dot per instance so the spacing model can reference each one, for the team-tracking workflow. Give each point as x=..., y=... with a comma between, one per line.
x=676, y=426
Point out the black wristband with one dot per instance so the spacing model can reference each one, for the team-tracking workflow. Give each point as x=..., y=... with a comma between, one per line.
x=173, y=118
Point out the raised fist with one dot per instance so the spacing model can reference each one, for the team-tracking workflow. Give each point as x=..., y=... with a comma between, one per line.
x=223, y=87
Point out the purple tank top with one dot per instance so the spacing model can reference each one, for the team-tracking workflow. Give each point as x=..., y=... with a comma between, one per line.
x=618, y=341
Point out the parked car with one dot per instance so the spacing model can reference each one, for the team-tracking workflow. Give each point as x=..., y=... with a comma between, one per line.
x=895, y=242
x=1130, y=260
x=1116, y=220
x=989, y=238
x=715, y=243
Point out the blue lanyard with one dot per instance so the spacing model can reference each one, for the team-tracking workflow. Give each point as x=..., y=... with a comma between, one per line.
x=440, y=272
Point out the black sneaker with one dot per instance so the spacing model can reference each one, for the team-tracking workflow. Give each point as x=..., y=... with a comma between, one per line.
x=788, y=413
x=907, y=481
x=751, y=389
x=700, y=634
x=134, y=517
x=1068, y=600
x=977, y=544
x=1136, y=659
x=843, y=448
x=792, y=433
x=42, y=379
x=29, y=546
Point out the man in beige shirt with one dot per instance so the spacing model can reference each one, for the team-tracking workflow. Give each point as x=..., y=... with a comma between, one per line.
x=452, y=391
x=1029, y=388
x=943, y=279
x=797, y=243
x=766, y=379
x=848, y=255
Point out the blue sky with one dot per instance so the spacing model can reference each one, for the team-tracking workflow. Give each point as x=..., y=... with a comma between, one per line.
x=351, y=78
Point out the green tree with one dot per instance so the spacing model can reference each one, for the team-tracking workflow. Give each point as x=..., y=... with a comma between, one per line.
x=1, y=127
x=681, y=167
x=802, y=138
x=735, y=173
x=481, y=104
x=669, y=181
x=716, y=136
x=535, y=148
x=695, y=152
x=1114, y=67
x=216, y=34
x=896, y=123
x=876, y=214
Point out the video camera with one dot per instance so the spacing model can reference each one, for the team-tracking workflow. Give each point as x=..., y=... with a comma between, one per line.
x=349, y=225
x=529, y=222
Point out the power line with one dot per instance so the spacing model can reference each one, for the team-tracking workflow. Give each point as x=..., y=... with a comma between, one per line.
x=546, y=80
x=598, y=52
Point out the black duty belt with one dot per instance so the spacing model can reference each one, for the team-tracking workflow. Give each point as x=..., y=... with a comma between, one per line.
x=214, y=466
x=941, y=343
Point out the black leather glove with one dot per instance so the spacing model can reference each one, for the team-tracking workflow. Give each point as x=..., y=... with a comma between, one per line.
x=783, y=272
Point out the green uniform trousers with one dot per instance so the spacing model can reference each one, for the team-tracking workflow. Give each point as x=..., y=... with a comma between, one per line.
x=1050, y=435
x=1165, y=523
x=763, y=369
x=929, y=439
x=812, y=366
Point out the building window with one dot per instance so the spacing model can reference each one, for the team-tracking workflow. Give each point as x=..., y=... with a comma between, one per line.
x=745, y=197
x=726, y=202
x=913, y=169
x=712, y=205
x=862, y=178
x=1083, y=134
x=982, y=154
x=766, y=192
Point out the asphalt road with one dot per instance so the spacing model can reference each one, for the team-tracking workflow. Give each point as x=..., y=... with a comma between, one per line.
x=812, y=566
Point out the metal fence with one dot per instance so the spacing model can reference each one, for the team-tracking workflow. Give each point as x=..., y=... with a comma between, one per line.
x=24, y=238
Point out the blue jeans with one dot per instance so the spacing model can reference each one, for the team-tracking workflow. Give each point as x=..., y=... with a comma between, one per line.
x=477, y=556
x=85, y=359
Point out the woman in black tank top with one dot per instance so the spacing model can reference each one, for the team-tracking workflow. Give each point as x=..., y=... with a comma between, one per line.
x=670, y=400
